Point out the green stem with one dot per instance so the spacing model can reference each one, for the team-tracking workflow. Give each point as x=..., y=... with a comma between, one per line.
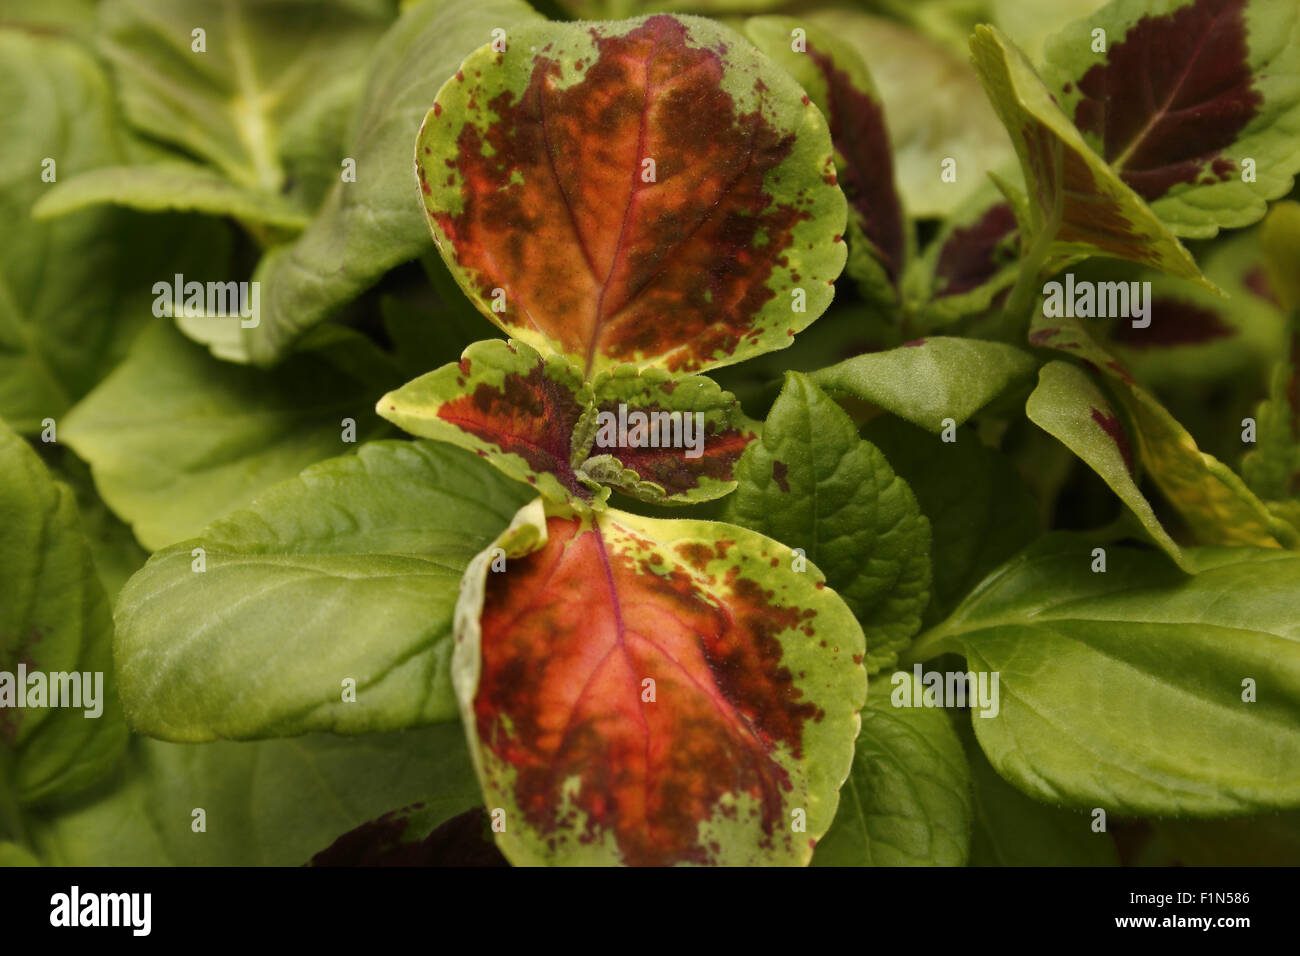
x=13, y=825
x=935, y=642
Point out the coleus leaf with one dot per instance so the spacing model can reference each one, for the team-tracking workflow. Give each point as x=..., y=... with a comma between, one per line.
x=1068, y=405
x=56, y=633
x=349, y=571
x=1078, y=205
x=931, y=381
x=907, y=801
x=1194, y=335
x=1210, y=135
x=1083, y=658
x=669, y=473
x=925, y=130
x=647, y=692
x=653, y=191
x=1214, y=502
x=971, y=264
x=836, y=79
x=812, y=484
x=659, y=437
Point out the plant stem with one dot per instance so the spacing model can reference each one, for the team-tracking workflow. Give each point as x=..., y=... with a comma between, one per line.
x=933, y=643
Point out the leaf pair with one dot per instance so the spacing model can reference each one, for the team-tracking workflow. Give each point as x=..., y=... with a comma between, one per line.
x=653, y=435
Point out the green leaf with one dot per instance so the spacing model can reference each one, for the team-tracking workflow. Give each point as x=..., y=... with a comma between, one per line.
x=931, y=380
x=1012, y=830
x=535, y=168
x=11, y=854
x=182, y=186
x=1030, y=23
x=364, y=228
x=348, y=572
x=1272, y=468
x=234, y=102
x=269, y=803
x=925, y=129
x=981, y=512
x=836, y=79
x=1214, y=502
x=907, y=801
x=812, y=484
x=1280, y=242
x=213, y=434
x=1217, y=81
x=653, y=692
x=1068, y=405
x=1124, y=689
x=74, y=292
x=56, y=632
x=1079, y=206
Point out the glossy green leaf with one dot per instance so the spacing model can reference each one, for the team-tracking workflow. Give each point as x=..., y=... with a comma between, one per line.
x=265, y=803
x=653, y=692
x=346, y=573
x=1068, y=405
x=812, y=484
x=1215, y=503
x=1210, y=134
x=907, y=801
x=1010, y=829
x=181, y=186
x=213, y=434
x=237, y=101
x=61, y=725
x=651, y=192
x=1128, y=689
x=1078, y=206
x=1272, y=468
x=364, y=228
x=74, y=292
x=980, y=510
x=930, y=381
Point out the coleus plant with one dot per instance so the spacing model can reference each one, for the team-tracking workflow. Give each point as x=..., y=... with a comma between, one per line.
x=654, y=212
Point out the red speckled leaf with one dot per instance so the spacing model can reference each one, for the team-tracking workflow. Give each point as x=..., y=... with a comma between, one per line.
x=507, y=403
x=656, y=692
x=657, y=436
x=688, y=450
x=650, y=191
x=837, y=80
x=1078, y=205
x=1183, y=93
